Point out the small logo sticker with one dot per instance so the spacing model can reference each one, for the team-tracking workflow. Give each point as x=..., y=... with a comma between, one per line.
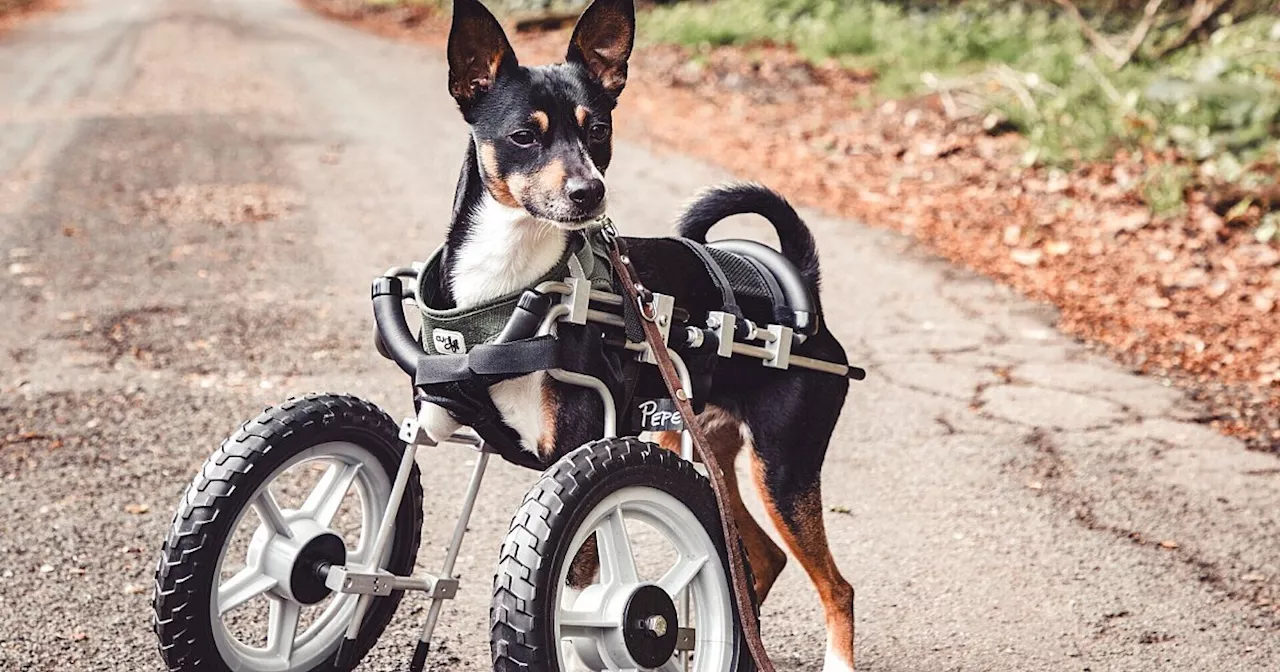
x=448, y=342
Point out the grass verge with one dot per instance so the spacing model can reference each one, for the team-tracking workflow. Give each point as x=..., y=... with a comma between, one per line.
x=1214, y=104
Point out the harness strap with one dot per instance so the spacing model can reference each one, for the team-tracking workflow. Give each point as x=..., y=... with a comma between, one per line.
x=730, y=305
x=737, y=563
x=505, y=359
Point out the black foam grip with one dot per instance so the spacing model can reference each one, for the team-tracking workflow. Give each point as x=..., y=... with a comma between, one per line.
x=526, y=318
x=388, y=315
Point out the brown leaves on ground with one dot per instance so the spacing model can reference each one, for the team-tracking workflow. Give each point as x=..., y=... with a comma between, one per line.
x=1192, y=296
x=404, y=21
x=13, y=12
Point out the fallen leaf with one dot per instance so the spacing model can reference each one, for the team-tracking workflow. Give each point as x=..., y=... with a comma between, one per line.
x=1026, y=257
x=46, y=568
x=1057, y=248
x=134, y=589
x=79, y=636
x=137, y=509
x=840, y=509
x=1168, y=544
x=1263, y=303
x=1130, y=223
x=1238, y=210
x=1189, y=279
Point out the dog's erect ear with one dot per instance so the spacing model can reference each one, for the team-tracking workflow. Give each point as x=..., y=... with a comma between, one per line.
x=478, y=52
x=602, y=42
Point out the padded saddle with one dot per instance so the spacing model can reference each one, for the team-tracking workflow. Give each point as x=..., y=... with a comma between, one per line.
x=746, y=269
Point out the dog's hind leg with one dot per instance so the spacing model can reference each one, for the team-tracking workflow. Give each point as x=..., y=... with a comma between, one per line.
x=724, y=433
x=789, y=435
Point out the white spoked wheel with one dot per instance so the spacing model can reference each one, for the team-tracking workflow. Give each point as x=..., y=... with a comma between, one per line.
x=616, y=561
x=283, y=544
x=621, y=621
x=304, y=487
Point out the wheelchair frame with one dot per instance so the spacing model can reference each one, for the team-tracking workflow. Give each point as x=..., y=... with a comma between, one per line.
x=771, y=344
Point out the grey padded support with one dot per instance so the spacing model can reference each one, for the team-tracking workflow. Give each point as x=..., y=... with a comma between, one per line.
x=788, y=277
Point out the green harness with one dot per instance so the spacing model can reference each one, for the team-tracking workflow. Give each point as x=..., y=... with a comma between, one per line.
x=454, y=331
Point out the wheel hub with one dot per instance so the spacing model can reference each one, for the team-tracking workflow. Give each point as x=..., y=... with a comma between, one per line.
x=311, y=565
x=299, y=562
x=650, y=626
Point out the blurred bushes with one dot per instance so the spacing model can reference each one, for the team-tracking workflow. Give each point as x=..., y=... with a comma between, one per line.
x=1209, y=92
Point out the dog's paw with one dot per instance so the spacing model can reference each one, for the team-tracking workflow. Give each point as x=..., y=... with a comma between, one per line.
x=437, y=422
x=835, y=662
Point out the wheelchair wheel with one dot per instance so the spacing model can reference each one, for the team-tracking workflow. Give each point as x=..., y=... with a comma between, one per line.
x=661, y=598
x=238, y=585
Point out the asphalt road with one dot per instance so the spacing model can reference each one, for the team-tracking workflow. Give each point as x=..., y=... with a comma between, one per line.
x=193, y=197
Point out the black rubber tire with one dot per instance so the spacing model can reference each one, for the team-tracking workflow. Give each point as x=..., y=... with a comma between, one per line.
x=535, y=549
x=217, y=495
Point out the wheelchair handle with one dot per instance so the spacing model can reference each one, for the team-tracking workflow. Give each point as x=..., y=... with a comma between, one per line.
x=393, y=328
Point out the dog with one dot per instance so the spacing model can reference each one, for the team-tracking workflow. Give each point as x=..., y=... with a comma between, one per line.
x=540, y=143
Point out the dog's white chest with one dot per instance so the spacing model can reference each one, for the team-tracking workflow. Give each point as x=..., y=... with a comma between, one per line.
x=504, y=250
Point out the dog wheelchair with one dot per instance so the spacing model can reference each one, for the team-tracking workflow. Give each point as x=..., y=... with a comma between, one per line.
x=312, y=577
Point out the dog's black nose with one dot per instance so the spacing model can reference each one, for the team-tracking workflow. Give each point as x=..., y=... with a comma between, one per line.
x=585, y=193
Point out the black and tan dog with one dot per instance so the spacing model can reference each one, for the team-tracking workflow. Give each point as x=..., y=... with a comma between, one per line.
x=541, y=139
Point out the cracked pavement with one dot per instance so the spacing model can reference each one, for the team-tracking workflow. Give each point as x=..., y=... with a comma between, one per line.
x=193, y=198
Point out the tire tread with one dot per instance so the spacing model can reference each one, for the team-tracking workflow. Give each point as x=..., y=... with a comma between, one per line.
x=188, y=548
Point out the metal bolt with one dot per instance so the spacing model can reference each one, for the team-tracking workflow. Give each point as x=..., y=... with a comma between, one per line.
x=656, y=625
x=681, y=395
x=713, y=323
x=662, y=320
x=625, y=259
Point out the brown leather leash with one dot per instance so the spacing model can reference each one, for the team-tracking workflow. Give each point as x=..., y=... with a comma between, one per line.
x=643, y=298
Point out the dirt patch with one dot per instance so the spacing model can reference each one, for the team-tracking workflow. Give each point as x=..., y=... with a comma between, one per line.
x=13, y=12
x=219, y=203
x=1191, y=296
x=90, y=482
x=218, y=343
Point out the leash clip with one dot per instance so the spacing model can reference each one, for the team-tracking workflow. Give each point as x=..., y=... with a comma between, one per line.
x=607, y=229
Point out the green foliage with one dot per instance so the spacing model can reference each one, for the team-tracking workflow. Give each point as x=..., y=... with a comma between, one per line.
x=1033, y=66
x=1163, y=188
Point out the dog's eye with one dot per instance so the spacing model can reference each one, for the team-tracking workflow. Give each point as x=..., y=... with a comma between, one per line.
x=524, y=138
x=598, y=133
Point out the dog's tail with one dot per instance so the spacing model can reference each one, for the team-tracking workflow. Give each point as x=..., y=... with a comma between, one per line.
x=727, y=200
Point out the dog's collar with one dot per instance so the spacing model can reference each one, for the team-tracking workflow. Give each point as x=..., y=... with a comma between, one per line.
x=457, y=330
